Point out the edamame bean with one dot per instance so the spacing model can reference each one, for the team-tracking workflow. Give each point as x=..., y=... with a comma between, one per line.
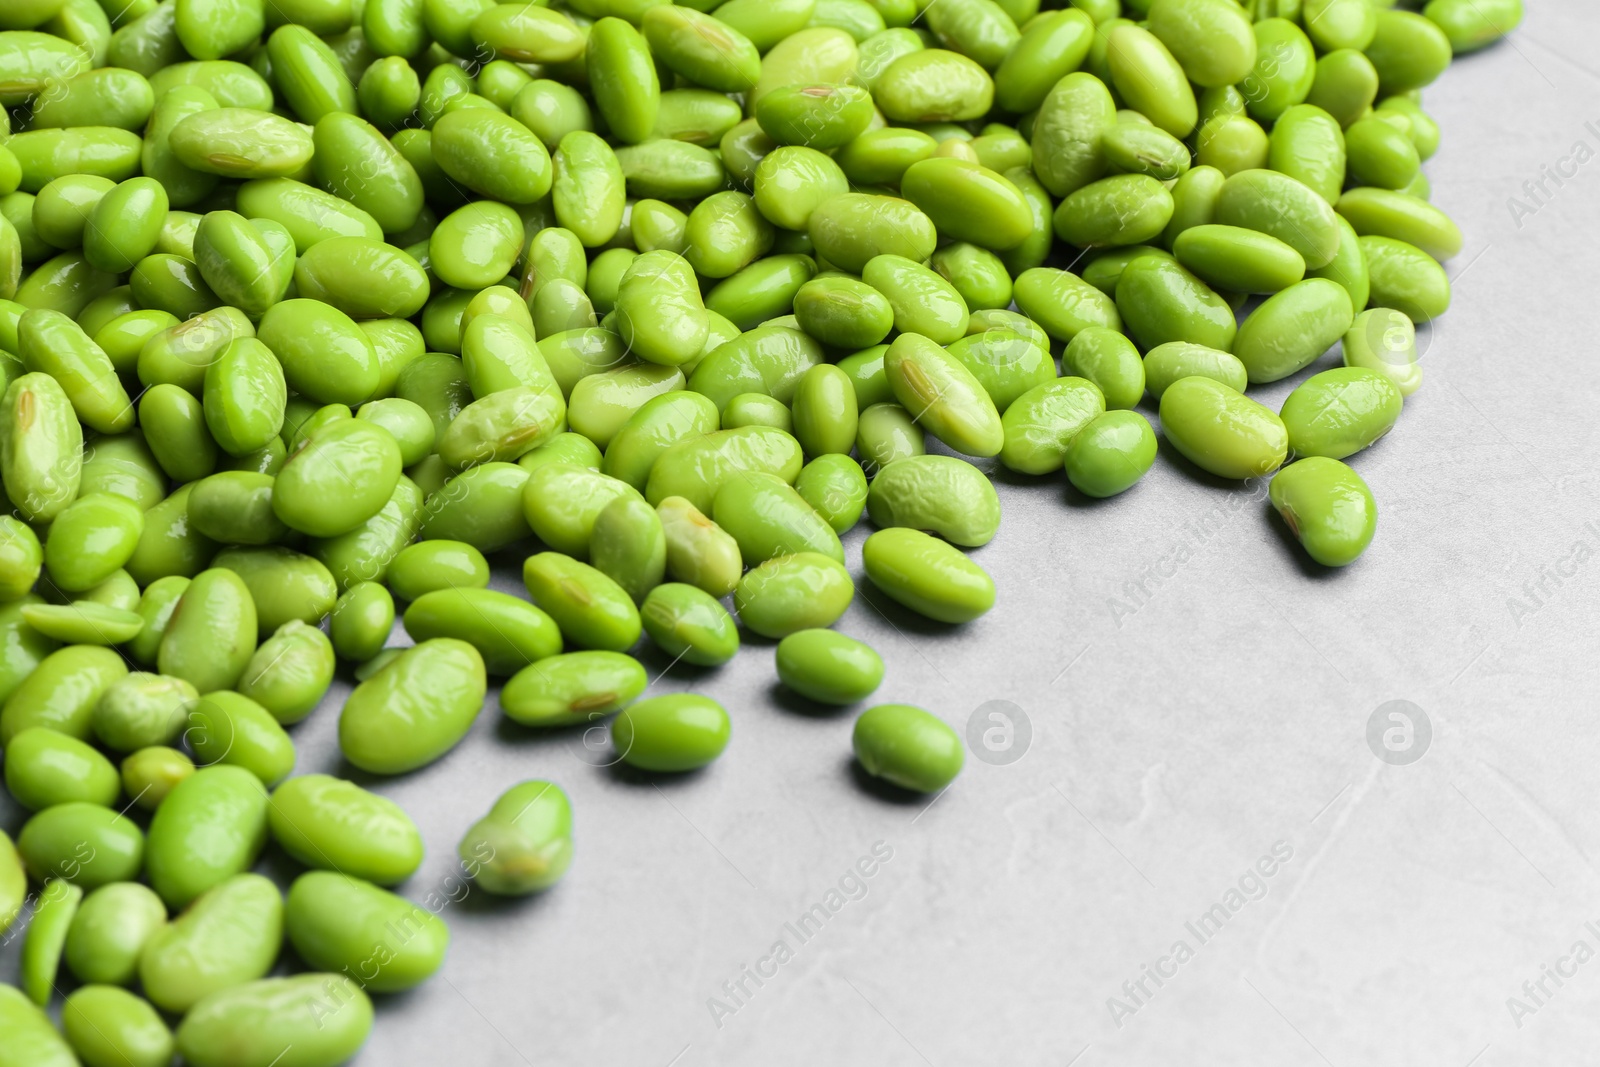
x=939, y=392
x=45, y=768
x=793, y=592
x=210, y=827
x=524, y=844
x=61, y=692
x=1384, y=340
x=907, y=746
x=344, y=924
x=228, y=935
x=1222, y=431
x=331, y=824
x=672, y=734
x=927, y=575
x=1405, y=278
x=440, y=564
x=414, y=710
x=689, y=624
x=836, y=488
x=322, y=1018
x=1339, y=412
x=1239, y=260
x=53, y=912
x=225, y=727
x=828, y=667
x=110, y=931
x=150, y=774
x=41, y=447
x=1110, y=454
x=89, y=845
x=508, y=633
x=1279, y=206
x=1328, y=508
x=1293, y=328
x=1176, y=360
x=110, y=1027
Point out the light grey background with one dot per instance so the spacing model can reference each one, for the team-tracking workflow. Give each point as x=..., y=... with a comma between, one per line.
x=1197, y=695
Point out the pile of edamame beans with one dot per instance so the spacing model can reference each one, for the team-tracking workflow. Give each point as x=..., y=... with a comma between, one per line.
x=308, y=306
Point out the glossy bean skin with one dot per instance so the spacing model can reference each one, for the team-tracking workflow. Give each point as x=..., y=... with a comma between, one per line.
x=524, y=844
x=53, y=911
x=671, y=734
x=1239, y=260
x=228, y=935
x=1339, y=412
x=1469, y=26
x=1293, y=328
x=941, y=494
x=416, y=709
x=1280, y=206
x=1063, y=303
x=91, y=540
x=509, y=633
x=939, y=392
x=656, y=426
x=1109, y=360
x=1110, y=454
x=1405, y=278
x=1220, y=430
x=768, y=518
x=927, y=575
x=61, y=692
x=828, y=667
x=41, y=447
x=887, y=432
x=793, y=592
x=225, y=727
x=572, y=687
x=1160, y=301
x=699, y=552
x=44, y=768
x=696, y=468
x=211, y=827
x=1387, y=213
x=1385, y=340
x=1168, y=363
x=110, y=931
x=34, y=1039
x=323, y=1018
x=688, y=623
x=344, y=924
x=628, y=545
x=331, y=824
x=907, y=746
x=1040, y=423
x=211, y=634
x=111, y=1026
x=150, y=774
x=82, y=843
x=1328, y=507
x=479, y=509
x=591, y=609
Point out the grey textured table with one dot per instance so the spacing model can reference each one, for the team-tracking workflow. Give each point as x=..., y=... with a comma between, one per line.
x=1199, y=700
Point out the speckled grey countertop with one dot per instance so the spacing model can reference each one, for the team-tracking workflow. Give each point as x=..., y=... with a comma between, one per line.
x=1189, y=791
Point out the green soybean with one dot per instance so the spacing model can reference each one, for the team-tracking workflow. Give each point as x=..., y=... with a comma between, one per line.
x=907, y=746
x=1327, y=507
x=1222, y=431
x=414, y=710
x=675, y=733
x=524, y=844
